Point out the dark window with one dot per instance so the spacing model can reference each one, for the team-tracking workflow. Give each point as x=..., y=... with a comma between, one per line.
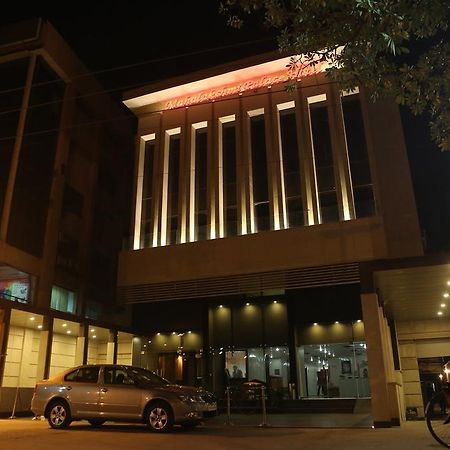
x=291, y=167
x=30, y=202
x=149, y=154
x=358, y=157
x=115, y=375
x=259, y=173
x=229, y=178
x=73, y=201
x=323, y=159
x=201, y=198
x=172, y=206
x=12, y=83
x=83, y=375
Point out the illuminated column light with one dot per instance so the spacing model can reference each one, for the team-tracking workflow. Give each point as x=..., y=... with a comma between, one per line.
x=165, y=184
x=139, y=188
x=282, y=107
x=311, y=100
x=253, y=113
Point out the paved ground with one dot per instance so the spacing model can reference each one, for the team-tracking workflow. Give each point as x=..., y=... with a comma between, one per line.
x=25, y=434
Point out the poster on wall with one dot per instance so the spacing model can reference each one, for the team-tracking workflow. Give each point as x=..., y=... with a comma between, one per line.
x=16, y=290
x=235, y=364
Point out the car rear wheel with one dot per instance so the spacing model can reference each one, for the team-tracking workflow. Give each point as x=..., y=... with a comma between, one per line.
x=159, y=417
x=59, y=415
x=96, y=422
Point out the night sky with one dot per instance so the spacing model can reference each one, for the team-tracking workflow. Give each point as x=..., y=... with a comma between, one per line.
x=162, y=39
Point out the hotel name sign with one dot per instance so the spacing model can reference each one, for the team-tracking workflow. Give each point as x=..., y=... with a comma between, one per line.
x=220, y=92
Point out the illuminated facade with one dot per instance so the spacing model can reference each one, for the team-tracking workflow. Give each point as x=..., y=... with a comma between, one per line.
x=62, y=199
x=258, y=213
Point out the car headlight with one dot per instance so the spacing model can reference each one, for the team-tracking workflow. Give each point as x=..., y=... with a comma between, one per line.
x=186, y=398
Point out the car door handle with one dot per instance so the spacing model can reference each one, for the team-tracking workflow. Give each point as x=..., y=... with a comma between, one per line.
x=68, y=388
x=104, y=390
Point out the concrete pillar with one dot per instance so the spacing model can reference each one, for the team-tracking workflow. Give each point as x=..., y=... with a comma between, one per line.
x=45, y=349
x=111, y=348
x=136, y=346
x=5, y=317
x=385, y=408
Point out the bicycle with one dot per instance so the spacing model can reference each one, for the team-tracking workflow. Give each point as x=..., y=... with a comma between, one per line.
x=437, y=415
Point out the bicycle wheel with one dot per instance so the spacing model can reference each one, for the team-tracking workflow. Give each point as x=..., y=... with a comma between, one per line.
x=438, y=419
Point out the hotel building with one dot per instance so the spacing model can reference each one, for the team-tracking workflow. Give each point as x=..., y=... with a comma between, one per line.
x=276, y=230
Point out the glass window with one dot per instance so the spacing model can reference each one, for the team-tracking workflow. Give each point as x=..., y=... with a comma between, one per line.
x=14, y=285
x=334, y=370
x=146, y=225
x=84, y=375
x=323, y=161
x=173, y=185
x=229, y=178
x=291, y=167
x=12, y=84
x=358, y=156
x=63, y=300
x=35, y=169
x=201, y=201
x=117, y=376
x=259, y=173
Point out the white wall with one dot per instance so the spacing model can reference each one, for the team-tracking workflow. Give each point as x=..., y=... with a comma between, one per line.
x=22, y=357
x=63, y=353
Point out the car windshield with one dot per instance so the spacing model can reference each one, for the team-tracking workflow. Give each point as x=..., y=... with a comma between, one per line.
x=143, y=376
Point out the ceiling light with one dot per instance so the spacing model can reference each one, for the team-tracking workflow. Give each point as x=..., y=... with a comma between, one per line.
x=220, y=306
x=165, y=344
x=448, y=283
x=275, y=302
x=247, y=304
x=92, y=330
x=446, y=295
x=64, y=325
x=94, y=336
x=443, y=305
x=439, y=313
x=189, y=332
x=174, y=332
x=336, y=322
x=40, y=327
x=358, y=321
x=315, y=324
x=32, y=318
x=158, y=334
x=68, y=332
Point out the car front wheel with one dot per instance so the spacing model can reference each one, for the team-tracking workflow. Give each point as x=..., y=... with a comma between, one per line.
x=59, y=415
x=159, y=417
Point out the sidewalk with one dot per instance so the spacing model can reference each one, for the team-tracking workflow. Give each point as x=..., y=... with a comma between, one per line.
x=297, y=420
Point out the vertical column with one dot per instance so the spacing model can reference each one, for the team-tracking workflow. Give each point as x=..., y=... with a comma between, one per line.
x=307, y=167
x=340, y=154
x=136, y=347
x=293, y=369
x=111, y=348
x=380, y=361
x=45, y=348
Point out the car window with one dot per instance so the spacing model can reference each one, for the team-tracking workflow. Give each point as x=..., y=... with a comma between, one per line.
x=116, y=375
x=143, y=376
x=83, y=375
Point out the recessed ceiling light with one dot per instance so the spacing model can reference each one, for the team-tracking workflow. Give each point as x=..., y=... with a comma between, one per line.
x=40, y=326
x=359, y=321
x=439, y=313
x=337, y=321
x=247, y=304
x=64, y=325
x=315, y=324
x=94, y=336
x=68, y=332
x=32, y=318
x=189, y=332
x=448, y=283
x=165, y=344
x=443, y=305
x=92, y=330
x=220, y=306
x=446, y=295
x=174, y=332
x=158, y=334
x=275, y=302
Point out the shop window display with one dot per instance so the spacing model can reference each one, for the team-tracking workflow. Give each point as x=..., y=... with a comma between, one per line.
x=336, y=370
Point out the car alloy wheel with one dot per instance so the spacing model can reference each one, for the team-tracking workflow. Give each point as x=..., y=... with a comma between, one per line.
x=159, y=418
x=59, y=415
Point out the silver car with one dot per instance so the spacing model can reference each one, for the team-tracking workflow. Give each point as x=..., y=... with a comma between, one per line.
x=98, y=393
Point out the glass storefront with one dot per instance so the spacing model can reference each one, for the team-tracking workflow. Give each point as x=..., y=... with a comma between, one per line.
x=100, y=346
x=337, y=370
